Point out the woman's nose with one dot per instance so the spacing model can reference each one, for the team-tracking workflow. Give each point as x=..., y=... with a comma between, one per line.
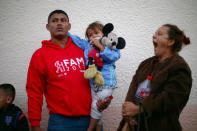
x=154, y=36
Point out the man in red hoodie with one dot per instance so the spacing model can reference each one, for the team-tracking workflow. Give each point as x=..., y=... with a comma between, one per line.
x=57, y=71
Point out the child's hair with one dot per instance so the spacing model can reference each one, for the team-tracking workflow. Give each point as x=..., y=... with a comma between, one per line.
x=9, y=90
x=95, y=25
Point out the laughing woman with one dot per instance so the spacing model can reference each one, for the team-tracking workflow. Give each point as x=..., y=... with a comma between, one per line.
x=160, y=87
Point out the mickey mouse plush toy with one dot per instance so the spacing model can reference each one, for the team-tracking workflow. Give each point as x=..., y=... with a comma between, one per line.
x=110, y=40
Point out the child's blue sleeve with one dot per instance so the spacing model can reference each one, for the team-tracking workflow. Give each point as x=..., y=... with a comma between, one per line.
x=110, y=55
x=81, y=43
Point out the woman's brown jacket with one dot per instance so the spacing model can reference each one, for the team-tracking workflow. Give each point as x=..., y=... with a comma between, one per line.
x=170, y=89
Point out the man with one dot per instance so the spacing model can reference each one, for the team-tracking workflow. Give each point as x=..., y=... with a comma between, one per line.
x=57, y=71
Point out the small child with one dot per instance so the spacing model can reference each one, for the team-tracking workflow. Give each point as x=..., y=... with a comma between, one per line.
x=11, y=116
x=109, y=56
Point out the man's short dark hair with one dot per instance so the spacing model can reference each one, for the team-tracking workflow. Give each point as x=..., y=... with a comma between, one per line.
x=9, y=90
x=57, y=12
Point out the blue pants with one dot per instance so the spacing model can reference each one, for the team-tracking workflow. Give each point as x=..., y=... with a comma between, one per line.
x=65, y=123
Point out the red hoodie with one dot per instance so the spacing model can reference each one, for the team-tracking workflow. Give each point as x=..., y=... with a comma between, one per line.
x=58, y=73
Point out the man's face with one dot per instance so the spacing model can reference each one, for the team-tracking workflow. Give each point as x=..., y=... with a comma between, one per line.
x=58, y=25
x=3, y=99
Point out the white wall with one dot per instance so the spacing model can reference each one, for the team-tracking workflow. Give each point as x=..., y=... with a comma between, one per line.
x=22, y=28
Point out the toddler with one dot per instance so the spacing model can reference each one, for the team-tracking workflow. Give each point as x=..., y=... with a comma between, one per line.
x=109, y=57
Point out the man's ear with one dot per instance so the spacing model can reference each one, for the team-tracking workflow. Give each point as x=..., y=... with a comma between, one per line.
x=170, y=42
x=47, y=26
x=9, y=99
x=69, y=26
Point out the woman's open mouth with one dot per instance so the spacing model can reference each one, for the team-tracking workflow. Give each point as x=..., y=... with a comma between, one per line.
x=155, y=44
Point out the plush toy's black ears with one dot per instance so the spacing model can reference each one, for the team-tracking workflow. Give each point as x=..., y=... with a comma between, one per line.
x=121, y=43
x=107, y=28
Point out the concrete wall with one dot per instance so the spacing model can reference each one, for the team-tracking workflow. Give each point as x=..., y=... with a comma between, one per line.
x=22, y=28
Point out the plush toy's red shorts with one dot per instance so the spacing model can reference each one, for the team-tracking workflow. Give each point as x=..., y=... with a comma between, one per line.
x=98, y=61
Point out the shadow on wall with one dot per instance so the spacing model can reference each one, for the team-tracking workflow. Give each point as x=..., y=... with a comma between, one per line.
x=112, y=117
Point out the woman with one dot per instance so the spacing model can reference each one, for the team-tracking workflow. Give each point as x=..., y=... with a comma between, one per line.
x=170, y=85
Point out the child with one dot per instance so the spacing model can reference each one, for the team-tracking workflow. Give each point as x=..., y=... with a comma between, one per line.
x=109, y=56
x=11, y=116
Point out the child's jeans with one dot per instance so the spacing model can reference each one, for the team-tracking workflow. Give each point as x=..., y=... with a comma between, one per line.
x=65, y=123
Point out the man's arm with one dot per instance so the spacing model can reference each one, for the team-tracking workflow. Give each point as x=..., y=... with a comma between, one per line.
x=35, y=87
x=81, y=43
x=36, y=128
x=103, y=104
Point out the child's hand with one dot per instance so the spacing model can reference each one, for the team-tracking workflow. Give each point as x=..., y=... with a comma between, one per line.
x=97, y=43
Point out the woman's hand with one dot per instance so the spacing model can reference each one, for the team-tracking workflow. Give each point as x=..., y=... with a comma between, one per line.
x=102, y=105
x=129, y=109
